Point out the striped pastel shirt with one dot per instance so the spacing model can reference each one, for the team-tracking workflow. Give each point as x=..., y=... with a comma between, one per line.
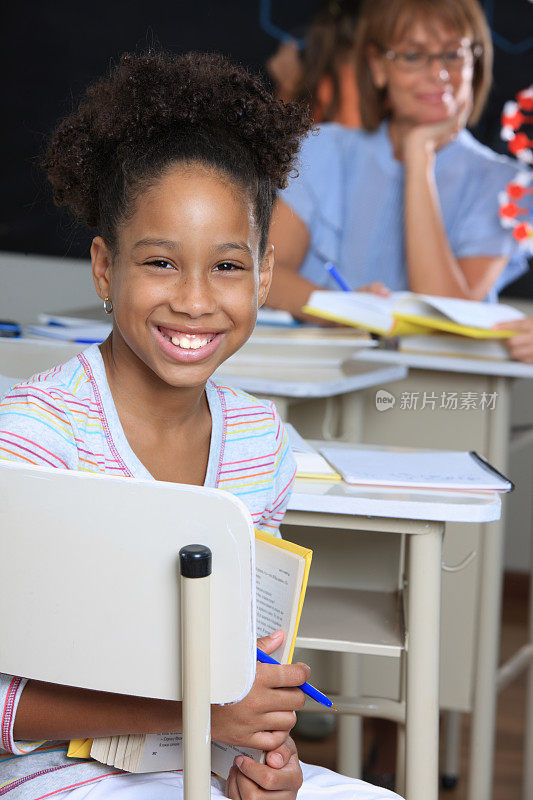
x=66, y=418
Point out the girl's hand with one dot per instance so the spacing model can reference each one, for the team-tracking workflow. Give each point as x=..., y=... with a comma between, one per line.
x=282, y=774
x=375, y=288
x=520, y=346
x=265, y=716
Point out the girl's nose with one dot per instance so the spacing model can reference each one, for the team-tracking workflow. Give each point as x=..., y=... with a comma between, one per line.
x=194, y=296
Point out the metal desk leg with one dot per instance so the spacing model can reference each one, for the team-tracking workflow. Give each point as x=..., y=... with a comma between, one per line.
x=452, y=747
x=422, y=710
x=527, y=792
x=350, y=726
x=483, y=716
x=485, y=688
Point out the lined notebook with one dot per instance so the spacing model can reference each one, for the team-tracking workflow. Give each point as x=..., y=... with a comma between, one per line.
x=416, y=469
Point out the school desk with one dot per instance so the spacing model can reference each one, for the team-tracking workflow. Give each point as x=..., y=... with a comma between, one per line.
x=472, y=594
x=472, y=577
x=376, y=563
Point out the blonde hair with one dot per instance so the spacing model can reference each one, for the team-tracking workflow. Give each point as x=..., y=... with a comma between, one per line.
x=383, y=21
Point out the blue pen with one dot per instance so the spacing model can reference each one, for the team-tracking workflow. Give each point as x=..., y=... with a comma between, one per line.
x=306, y=688
x=335, y=274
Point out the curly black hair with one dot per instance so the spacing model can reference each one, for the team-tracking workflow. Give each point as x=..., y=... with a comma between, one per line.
x=156, y=109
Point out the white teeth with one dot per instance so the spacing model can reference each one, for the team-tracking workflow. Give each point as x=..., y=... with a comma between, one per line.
x=189, y=343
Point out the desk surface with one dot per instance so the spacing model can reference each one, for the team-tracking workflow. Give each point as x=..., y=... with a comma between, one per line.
x=338, y=497
x=313, y=378
x=429, y=361
x=335, y=497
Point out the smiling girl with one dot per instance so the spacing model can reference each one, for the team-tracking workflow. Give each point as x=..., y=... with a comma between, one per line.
x=412, y=199
x=175, y=162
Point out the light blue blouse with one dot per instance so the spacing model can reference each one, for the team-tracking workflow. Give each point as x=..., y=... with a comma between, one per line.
x=349, y=192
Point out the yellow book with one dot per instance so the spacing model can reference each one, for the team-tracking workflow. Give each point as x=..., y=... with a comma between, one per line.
x=310, y=464
x=79, y=748
x=282, y=572
x=407, y=314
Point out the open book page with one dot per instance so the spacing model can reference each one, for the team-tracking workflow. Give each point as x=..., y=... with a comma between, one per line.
x=424, y=469
x=468, y=315
x=282, y=570
x=361, y=309
x=159, y=752
x=405, y=313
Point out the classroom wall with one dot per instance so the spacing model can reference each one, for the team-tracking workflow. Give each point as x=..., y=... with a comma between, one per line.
x=69, y=45
x=34, y=283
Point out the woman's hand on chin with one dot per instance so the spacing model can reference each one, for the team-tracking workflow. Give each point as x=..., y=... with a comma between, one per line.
x=423, y=140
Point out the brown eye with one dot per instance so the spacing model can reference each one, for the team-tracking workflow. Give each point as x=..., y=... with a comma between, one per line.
x=161, y=263
x=228, y=266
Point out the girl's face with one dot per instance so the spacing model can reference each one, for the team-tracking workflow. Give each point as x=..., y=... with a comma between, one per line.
x=421, y=93
x=187, y=278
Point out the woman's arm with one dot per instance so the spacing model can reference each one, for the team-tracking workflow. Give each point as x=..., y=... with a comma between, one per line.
x=290, y=236
x=431, y=265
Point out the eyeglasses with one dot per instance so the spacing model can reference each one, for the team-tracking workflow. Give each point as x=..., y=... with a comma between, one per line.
x=417, y=60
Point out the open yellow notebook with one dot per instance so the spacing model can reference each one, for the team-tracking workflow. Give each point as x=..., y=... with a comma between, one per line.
x=407, y=314
x=282, y=572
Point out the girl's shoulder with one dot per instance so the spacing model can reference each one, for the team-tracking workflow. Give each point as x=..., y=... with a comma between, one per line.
x=51, y=399
x=63, y=381
x=40, y=418
x=243, y=408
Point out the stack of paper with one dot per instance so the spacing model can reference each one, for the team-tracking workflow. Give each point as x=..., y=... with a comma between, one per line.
x=92, y=333
x=85, y=326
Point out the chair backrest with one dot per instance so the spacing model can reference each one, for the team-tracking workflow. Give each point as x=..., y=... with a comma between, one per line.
x=89, y=573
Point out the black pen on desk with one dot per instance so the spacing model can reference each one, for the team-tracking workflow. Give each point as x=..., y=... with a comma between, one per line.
x=306, y=688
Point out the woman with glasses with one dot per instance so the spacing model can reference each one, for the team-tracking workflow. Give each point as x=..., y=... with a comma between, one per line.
x=411, y=200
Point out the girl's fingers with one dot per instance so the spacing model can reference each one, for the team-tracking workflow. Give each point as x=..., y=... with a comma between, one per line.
x=284, y=676
x=279, y=757
x=273, y=781
x=232, y=788
x=268, y=644
x=267, y=740
x=278, y=721
x=280, y=700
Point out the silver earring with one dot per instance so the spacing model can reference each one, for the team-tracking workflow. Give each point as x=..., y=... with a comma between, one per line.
x=108, y=306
